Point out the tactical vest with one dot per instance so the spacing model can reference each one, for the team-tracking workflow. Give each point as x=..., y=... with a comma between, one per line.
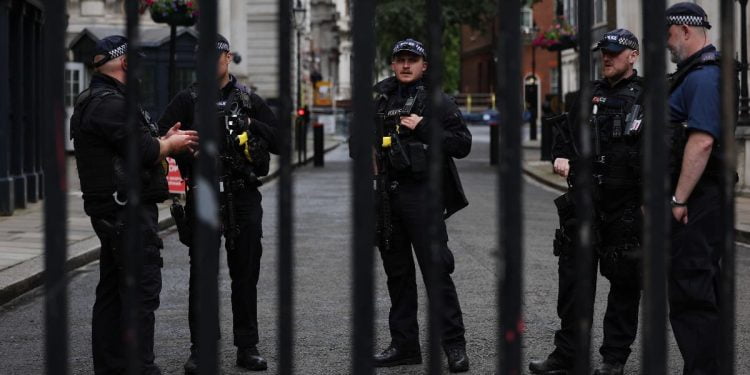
x=238, y=103
x=407, y=154
x=677, y=131
x=102, y=172
x=616, y=133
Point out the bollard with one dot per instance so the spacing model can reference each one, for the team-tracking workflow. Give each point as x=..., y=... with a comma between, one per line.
x=494, y=143
x=318, y=144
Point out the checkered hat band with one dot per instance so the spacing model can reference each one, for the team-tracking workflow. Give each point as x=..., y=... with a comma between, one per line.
x=117, y=52
x=221, y=46
x=687, y=20
x=628, y=43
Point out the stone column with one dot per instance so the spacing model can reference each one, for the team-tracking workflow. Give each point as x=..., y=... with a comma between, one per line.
x=7, y=199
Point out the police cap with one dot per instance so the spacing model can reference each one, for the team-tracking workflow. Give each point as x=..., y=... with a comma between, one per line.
x=617, y=40
x=689, y=14
x=111, y=47
x=409, y=45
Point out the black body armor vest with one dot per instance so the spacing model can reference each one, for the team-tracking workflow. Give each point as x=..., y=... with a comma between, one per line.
x=101, y=170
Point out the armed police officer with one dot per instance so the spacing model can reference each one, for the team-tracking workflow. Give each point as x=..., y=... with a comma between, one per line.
x=616, y=127
x=402, y=198
x=696, y=167
x=100, y=134
x=248, y=133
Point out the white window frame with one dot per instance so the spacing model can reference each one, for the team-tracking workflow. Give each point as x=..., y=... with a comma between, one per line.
x=82, y=83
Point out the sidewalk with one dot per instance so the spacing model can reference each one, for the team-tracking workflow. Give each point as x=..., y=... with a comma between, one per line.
x=22, y=235
x=541, y=171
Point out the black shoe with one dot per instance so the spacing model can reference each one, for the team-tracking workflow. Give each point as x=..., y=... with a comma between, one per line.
x=457, y=359
x=249, y=358
x=397, y=357
x=553, y=365
x=610, y=369
x=191, y=365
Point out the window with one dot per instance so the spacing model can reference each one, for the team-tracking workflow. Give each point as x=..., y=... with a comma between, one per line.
x=73, y=83
x=596, y=67
x=553, y=80
x=600, y=12
x=571, y=11
x=527, y=19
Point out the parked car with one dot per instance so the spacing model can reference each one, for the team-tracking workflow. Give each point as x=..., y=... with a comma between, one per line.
x=481, y=118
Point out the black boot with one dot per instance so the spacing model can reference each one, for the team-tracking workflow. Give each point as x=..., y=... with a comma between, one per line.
x=191, y=365
x=458, y=361
x=249, y=358
x=553, y=365
x=610, y=368
x=396, y=357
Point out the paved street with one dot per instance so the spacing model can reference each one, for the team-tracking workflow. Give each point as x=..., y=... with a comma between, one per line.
x=322, y=284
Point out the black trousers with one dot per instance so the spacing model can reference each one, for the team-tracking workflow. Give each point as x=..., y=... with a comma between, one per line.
x=621, y=316
x=410, y=229
x=694, y=281
x=107, y=327
x=244, y=270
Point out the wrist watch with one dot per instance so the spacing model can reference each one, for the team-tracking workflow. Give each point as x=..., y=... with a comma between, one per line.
x=676, y=203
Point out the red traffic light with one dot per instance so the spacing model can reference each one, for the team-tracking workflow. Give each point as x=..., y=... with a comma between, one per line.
x=301, y=112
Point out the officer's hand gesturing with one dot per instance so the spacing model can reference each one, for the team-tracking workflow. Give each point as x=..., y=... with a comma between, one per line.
x=176, y=140
x=411, y=121
x=561, y=167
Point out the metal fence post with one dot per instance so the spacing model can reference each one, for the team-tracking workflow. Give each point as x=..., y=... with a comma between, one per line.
x=728, y=144
x=655, y=194
x=583, y=194
x=510, y=195
x=133, y=241
x=434, y=207
x=207, y=194
x=286, y=264
x=56, y=186
x=362, y=130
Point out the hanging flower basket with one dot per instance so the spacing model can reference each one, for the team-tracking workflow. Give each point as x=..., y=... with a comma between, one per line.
x=172, y=12
x=560, y=36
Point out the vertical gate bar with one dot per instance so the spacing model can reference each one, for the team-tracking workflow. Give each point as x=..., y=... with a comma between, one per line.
x=207, y=193
x=133, y=241
x=655, y=193
x=19, y=69
x=286, y=269
x=584, y=195
x=40, y=87
x=509, y=87
x=363, y=128
x=434, y=207
x=56, y=186
x=728, y=122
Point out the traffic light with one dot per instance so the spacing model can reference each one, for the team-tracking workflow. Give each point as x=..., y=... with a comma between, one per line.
x=304, y=114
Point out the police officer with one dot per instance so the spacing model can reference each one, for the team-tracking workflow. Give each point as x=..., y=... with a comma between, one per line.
x=407, y=196
x=696, y=165
x=100, y=134
x=616, y=124
x=239, y=179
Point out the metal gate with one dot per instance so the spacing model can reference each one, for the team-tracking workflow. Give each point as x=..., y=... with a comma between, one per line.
x=510, y=278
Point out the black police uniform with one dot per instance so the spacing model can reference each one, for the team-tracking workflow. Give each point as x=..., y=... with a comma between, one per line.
x=694, y=277
x=618, y=221
x=244, y=260
x=100, y=132
x=408, y=201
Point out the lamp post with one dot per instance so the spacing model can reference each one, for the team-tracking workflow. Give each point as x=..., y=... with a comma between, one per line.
x=299, y=22
x=744, y=115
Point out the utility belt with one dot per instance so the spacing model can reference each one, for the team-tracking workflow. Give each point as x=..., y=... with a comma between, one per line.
x=112, y=230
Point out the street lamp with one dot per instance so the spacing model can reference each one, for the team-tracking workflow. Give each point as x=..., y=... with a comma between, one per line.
x=744, y=115
x=299, y=23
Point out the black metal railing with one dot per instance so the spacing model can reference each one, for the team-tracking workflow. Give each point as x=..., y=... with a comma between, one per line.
x=50, y=55
x=55, y=187
x=509, y=179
